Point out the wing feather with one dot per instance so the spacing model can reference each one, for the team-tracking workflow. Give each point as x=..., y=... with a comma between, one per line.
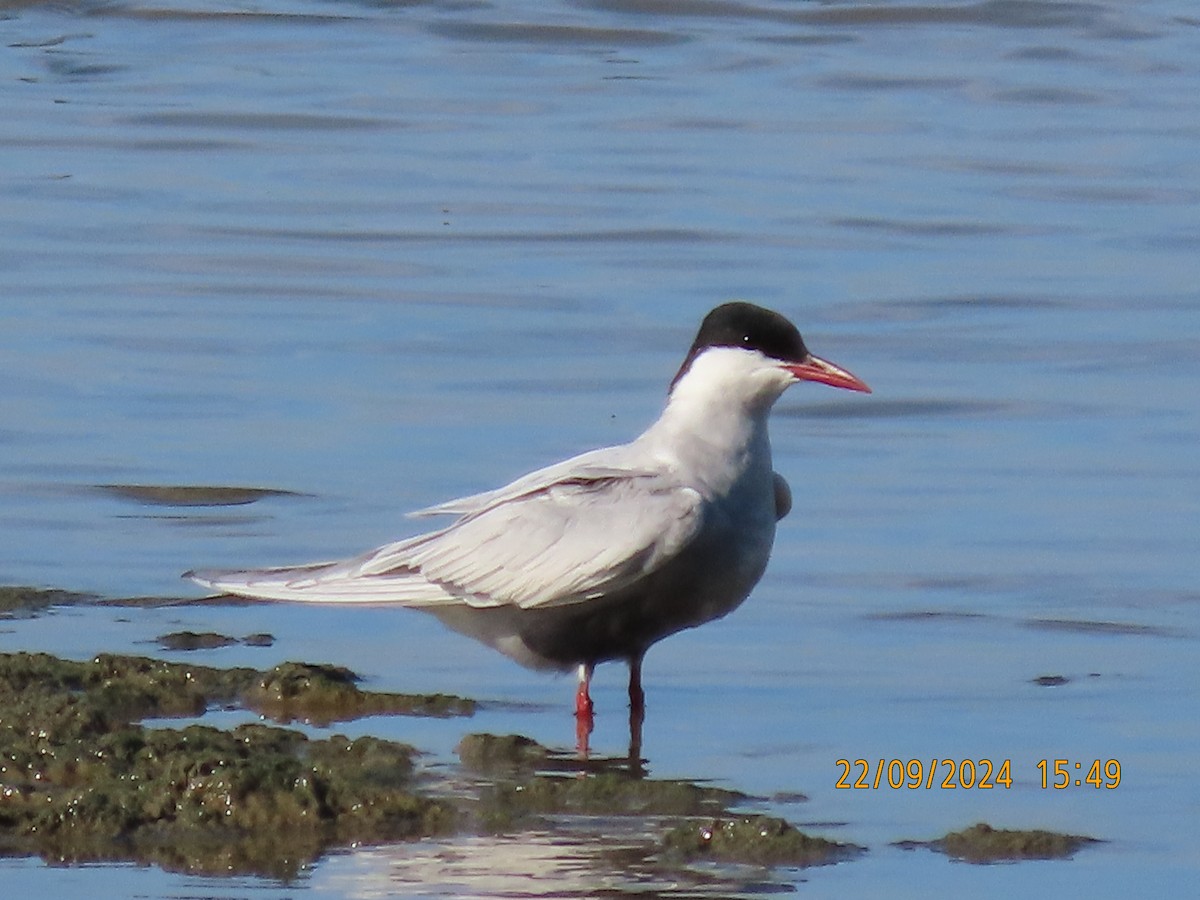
x=565, y=542
x=562, y=535
x=608, y=462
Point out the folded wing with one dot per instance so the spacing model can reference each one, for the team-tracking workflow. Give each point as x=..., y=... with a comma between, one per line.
x=538, y=542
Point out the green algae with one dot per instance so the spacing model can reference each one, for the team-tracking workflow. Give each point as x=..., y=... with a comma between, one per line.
x=525, y=781
x=499, y=754
x=754, y=840
x=981, y=843
x=258, y=798
x=66, y=698
x=322, y=694
x=604, y=793
x=81, y=780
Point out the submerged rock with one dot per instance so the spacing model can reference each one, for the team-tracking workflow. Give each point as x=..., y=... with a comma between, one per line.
x=182, y=641
x=982, y=843
x=754, y=840
x=195, y=640
x=1051, y=680
x=191, y=494
x=24, y=600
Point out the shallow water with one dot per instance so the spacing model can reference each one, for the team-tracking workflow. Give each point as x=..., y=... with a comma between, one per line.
x=381, y=254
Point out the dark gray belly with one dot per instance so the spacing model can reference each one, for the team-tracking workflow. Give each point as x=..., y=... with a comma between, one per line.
x=707, y=581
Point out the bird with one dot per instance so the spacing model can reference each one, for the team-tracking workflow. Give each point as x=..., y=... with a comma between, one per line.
x=598, y=557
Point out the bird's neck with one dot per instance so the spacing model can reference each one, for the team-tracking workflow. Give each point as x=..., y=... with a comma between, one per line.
x=716, y=442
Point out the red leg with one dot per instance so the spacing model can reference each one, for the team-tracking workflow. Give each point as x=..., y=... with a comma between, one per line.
x=583, y=700
x=583, y=709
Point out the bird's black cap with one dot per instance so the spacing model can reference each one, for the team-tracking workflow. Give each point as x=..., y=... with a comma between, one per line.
x=750, y=327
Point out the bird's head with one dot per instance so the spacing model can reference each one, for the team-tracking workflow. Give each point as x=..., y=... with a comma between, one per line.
x=754, y=354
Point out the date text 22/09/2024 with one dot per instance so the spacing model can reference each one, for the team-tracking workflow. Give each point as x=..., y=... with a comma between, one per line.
x=968, y=774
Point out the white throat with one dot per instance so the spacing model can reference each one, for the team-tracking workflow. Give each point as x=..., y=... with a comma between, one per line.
x=714, y=427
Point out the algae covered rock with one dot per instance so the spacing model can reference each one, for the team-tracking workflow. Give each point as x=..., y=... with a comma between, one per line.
x=489, y=753
x=66, y=698
x=981, y=843
x=272, y=797
x=81, y=780
x=191, y=494
x=322, y=694
x=195, y=640
x=754, y=840
x=525, y=780
x=185, y=641
x=23, y=600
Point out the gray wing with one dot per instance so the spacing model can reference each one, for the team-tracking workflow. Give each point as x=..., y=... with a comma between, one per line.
x=607, y=462
x=540, y=541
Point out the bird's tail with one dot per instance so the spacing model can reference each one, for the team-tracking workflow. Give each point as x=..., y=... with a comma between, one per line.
x=334, y=582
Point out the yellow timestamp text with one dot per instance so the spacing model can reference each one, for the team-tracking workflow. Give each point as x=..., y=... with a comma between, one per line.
x=924, y=774
x=1060, y=774
x=972, y=774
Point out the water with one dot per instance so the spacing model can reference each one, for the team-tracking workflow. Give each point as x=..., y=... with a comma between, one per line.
x=384, y=254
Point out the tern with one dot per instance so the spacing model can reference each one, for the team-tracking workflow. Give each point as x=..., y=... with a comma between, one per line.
x=599, y=557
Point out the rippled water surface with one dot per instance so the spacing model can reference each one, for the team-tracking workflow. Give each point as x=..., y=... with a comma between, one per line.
x=367, y=256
